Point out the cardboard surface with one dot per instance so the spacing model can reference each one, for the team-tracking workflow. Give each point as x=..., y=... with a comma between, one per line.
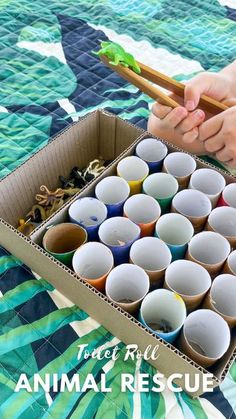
x=99, y=134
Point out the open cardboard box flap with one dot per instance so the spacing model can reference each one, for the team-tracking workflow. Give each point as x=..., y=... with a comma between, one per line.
x=98, y=134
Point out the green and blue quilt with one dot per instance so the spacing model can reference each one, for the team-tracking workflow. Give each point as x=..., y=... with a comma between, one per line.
x=49, y=78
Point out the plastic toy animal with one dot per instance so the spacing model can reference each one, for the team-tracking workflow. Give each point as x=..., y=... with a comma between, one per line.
x=117, y=55
x=48, y=197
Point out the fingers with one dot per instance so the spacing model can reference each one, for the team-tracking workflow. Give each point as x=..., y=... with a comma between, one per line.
x=179, y=119
x=194, y=89
x=160, y=111
x=214, y=144
x=193, y=120
x=176, y=116
x=211, y=84
x=188, y=127
x=211, y=127
x=170, y=117
x=191, y=136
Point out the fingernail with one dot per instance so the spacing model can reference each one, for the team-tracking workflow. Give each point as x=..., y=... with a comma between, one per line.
x=190, y=105
x=199, y=114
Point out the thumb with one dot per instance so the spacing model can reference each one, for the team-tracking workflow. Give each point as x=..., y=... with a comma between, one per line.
x=194, y=89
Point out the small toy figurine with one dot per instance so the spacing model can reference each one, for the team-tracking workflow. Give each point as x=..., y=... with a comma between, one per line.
x=117, y=55
x=77, y=176
x=25, y=227
x=94, y=169
x=66, y=183
x=37, y=214
x=48, y=197
x=47, y=202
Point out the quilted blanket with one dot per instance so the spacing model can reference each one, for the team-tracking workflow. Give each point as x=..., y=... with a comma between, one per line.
x=49, y=78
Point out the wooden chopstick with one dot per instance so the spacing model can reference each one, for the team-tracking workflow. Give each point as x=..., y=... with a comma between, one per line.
x=206, y=103
x=147, y=73
x=142, y=84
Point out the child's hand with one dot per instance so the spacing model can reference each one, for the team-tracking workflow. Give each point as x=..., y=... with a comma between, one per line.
x=172, y=124
x=181, y=125
x=178, y=119
x=216, y=85
x=218, y=134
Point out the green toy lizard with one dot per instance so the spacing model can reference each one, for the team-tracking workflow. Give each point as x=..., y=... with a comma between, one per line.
x=117, y=55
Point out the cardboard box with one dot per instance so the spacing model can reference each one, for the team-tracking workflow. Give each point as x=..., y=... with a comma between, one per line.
x=99, y=133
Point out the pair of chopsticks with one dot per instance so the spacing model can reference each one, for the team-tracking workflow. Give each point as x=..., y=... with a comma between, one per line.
x=147, y=73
